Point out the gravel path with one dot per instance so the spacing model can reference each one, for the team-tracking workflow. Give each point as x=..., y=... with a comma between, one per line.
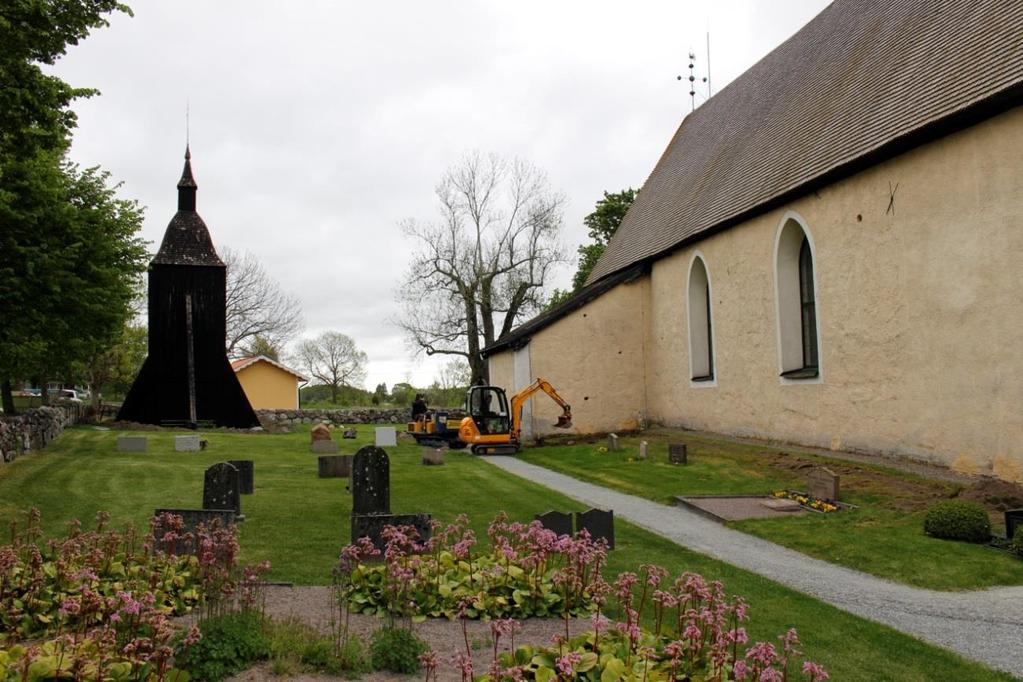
x=986, y=626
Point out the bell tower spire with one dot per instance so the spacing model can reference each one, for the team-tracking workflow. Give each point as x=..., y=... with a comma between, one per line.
x=186, y=185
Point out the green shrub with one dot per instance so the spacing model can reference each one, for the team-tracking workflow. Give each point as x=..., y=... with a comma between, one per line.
x=295, y=646
x=229, y=644
x=397, y=650
x=958, y=520
x=1016, y=545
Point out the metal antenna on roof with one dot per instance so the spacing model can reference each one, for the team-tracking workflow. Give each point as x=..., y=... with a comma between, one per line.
x=692, y=78
x=187, y=107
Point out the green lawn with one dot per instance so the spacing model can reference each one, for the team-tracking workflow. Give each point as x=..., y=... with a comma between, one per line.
x=299, y=521
x=884, y=536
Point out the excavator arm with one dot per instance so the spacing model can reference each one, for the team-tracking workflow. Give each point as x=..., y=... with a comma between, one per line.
x=519, y=400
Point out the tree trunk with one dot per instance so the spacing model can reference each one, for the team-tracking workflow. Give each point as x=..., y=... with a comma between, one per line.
x=333, y=394
x=8, y=397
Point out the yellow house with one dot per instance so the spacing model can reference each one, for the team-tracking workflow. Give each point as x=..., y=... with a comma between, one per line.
x=269, y=385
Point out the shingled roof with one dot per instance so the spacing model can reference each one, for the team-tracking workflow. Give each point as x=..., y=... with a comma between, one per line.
x=863, y=81
x=187, y=239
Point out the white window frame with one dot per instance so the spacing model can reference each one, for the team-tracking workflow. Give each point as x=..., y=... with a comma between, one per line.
x=792, y=216
x=713, y=382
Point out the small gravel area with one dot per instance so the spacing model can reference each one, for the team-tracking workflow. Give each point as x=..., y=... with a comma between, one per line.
x=313, y=605
x=985, y=625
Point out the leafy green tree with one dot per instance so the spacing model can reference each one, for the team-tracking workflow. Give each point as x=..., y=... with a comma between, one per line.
x=70, y=260
x=380, y=394
x=603, y=222
x=261, y=345
x=402, y=393
x=51, y=266
x=116, y=367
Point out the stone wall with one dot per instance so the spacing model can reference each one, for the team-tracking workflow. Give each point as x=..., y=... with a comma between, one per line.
x=276, y=418
x=33, y=429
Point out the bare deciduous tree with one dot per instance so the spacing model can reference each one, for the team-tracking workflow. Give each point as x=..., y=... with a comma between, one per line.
x=483, y=266
x=334, y=360
x=256, y=306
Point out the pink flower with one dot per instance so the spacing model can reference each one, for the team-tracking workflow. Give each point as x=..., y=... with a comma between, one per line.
x=815, y=672
x=566, y=664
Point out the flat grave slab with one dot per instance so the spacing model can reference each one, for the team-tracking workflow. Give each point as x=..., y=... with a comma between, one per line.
x=323, y=447
x=132, y=443
x=335, y=466
x=386, y=436
x=186, y=444
x=738, y=507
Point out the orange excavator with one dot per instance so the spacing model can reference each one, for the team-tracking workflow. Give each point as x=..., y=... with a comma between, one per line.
x=492, y=426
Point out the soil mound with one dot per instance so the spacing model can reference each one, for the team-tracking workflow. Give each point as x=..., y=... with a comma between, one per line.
x=995, y=493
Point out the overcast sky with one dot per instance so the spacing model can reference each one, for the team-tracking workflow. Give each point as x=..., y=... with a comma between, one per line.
x=317, y=126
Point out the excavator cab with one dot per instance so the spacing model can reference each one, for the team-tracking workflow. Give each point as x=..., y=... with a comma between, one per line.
x=488, y=407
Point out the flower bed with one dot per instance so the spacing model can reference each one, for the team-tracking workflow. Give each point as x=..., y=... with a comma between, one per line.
x=96, y=604
x=810, y=503
x=526, y=571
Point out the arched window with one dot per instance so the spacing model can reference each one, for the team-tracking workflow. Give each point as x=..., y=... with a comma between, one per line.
x=798, y=338
x=701, y=337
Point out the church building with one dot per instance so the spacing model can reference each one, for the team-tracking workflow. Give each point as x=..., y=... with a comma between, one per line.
x=828, y=253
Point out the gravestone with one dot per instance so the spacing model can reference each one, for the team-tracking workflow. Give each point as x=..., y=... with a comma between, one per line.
x=643, y=450
x=191, y=519
x=387, y=436
x=371, y=481
x=335, y=466
x=246, y=475
x=612, y=442
x=822, y=483
x=319, y=432
x=131, y=443
x=1013, y=522
x=221, y=489
x=598, y=523
x=433, y=456
x=350, y=433
x=559, y=522
x=677, y=453
x=323, y=447
x=372, y=526
x=187, y=444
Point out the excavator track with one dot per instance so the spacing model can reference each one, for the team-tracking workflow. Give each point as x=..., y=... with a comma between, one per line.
x=494, y=449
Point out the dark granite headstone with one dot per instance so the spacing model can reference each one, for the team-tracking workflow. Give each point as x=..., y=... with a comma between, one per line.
x=246, y=475
x=372, y=526
x=371, y=481
x=598, y=523
x=559, y=522
x=335, y=466
x=191, y=519
x=221, y=489
x=677, y=453
x=1013, y=522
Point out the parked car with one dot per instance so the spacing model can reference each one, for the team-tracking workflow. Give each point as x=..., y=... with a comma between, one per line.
x=32, y=393
x=68, y=394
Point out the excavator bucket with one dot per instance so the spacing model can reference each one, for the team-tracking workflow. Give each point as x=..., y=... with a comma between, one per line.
x=564, y=421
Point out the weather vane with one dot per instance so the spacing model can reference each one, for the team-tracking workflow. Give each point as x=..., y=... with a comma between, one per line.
x=692, y=75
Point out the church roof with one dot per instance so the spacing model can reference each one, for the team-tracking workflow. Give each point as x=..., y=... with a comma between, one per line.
x=187, y=239
x=865, y=80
